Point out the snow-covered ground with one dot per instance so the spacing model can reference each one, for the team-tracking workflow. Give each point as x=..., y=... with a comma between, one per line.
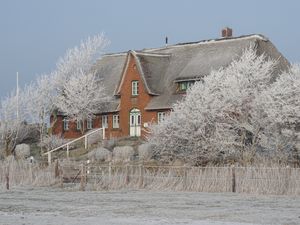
x=41, y=206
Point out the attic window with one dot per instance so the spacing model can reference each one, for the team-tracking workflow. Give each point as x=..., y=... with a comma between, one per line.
x=134, y=66
x=184, y=85
x=135, y=88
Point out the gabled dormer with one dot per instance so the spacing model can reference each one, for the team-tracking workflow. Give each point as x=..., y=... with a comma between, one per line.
x=151, y=68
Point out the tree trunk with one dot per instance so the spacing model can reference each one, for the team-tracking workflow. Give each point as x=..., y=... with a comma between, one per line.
x=82, y=128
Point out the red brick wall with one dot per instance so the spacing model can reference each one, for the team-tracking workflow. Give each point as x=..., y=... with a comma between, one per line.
x=72, y=132
x=127, y=103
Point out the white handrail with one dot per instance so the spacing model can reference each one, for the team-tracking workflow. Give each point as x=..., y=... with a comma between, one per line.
x=70, y=142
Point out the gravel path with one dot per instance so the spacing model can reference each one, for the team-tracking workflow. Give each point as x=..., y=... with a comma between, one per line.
x=41, y=206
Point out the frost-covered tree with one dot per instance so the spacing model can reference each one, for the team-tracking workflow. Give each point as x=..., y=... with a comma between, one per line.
x=39, y=97
x=281, y=103
x=13, y=129
x=79, y=60
x=82, y=98
x=71, y=87
x=79, y=93
x=220, y=117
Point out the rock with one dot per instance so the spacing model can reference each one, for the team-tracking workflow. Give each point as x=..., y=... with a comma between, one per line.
x=145, y=151
x=100, y=154
x=22, y=151
x=123, y=154
x=109, y=144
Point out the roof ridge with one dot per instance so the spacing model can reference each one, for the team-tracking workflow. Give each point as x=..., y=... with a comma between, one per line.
x=153, y=54
x=209, y=41
x=181, y=44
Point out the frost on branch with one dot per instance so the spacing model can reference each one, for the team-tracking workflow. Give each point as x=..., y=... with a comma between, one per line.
x=79, y=60
x=13, y=129
x=223, y=117
x=282, y=107
x=82, y=97
x=79, y=94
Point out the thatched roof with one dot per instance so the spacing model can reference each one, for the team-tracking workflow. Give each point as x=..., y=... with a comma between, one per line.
x=160, y=68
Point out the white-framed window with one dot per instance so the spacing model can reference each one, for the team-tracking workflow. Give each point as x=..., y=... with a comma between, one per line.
x=89, y=123
x=116, y=121
x=161, y=117
x=78, y=124
x=135, y=88
x=184, y=85
x=104, y=120
x=66, y=124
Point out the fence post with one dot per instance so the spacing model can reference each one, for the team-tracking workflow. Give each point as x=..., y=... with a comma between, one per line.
x=30, y=172
x=141, y=177
x=82, y=178
x=49, y=158
x=184, y=177
x=68, y=152
x=61, y=173
x=233, y=179
x=103, y=133
x=56, y=171
x=126, y=174
x=7, y=177
x=109, y=173
x=85, y=142
x=288, y=178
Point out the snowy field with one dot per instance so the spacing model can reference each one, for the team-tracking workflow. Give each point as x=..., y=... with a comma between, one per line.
x=42, y=206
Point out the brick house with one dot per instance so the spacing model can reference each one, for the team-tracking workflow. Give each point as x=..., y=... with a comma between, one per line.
x=145, y=84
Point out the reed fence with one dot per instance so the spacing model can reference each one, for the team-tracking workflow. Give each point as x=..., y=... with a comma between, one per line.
x=90, y=176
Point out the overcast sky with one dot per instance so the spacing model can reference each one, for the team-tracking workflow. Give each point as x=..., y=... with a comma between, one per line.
x=35, y=33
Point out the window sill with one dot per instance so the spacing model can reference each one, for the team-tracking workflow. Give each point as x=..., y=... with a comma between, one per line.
x=179, y=93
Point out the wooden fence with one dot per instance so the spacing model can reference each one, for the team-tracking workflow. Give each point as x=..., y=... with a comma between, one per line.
x=260, y=180
x=87, y=176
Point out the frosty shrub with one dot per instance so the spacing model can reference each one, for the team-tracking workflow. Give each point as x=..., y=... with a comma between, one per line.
x=13, y=128
x=123, y=154
x=145, y=151
x=52, y=141
x=100, y=154
x=229, y=114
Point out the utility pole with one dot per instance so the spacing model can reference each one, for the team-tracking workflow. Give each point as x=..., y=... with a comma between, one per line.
x=17, y=96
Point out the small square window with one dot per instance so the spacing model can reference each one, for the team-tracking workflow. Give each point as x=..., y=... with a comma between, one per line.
x=161, y=117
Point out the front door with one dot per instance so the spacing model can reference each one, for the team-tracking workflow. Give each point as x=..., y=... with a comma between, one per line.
x=135, y=122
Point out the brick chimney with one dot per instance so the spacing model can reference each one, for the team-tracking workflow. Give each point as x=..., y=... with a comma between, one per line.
x=226, y=32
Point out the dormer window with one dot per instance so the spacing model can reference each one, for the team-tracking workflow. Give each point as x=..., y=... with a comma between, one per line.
x=184, y=85
x=135, y=88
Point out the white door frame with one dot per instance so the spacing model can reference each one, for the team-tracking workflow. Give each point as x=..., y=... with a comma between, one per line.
x=135, y=121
